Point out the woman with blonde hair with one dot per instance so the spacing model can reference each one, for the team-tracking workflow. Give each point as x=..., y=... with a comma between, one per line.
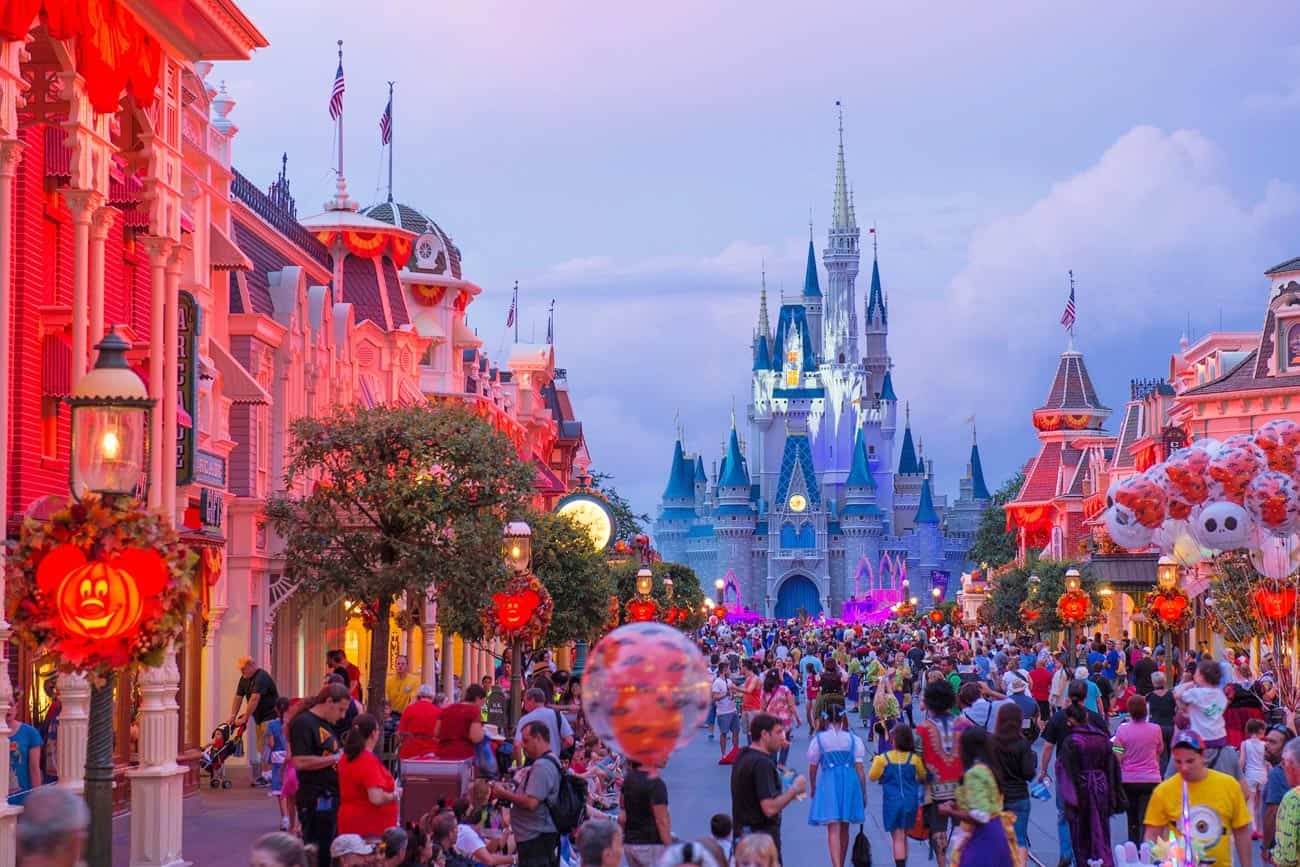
x=756, y=850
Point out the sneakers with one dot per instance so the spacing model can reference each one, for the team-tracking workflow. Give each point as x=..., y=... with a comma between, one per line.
x=261, y=783
x=284, y=823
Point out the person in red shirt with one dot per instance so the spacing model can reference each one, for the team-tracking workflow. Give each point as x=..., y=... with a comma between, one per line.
x=417, y=729
x=368, y=797
x=337, y=661
x=460, y=726
x=1040, y=688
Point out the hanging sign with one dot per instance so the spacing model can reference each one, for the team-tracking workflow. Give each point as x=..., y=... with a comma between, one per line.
x=187, y=386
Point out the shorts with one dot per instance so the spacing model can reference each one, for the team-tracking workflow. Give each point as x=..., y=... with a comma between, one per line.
x=277, y=779
x=935, y=822
x=257, y=731
x=728, y=723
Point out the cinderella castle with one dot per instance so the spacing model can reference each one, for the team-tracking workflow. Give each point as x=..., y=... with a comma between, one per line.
x=819, y=508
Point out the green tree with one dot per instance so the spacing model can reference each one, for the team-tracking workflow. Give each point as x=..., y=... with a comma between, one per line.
x=994, y=543
x=627, y=523
x=385, y=501
x=1011, y=588
x=575, y=574
x=687, y=592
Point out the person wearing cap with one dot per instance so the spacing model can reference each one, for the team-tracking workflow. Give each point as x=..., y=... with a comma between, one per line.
x=1217, y=806
x=417, y=729
x=350, y=850
x=535, y=709
x=258, y=688
x=401, y=687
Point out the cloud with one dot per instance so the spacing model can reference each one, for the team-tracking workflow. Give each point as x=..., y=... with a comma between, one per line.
x=1153, y=230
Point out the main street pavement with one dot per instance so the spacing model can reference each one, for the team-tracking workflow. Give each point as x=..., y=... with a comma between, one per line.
x=220, y=825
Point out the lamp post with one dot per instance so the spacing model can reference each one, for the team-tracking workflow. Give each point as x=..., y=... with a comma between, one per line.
x=1071, y=584
x=935, y=593
x=110, y=410
x=668, y=586
x=517, y=551
x=1166, y=580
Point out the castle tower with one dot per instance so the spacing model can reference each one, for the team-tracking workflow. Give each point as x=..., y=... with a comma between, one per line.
x=877, y=360
x=678, y=510
x=930, y=536
x=812, y=299
x=908, y=480
x=733, y=524
x=840, y=325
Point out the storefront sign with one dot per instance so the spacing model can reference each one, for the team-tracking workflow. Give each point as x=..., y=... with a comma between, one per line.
x=212, y=507
x=187, y=386
x=209, y=469
x=939, y=578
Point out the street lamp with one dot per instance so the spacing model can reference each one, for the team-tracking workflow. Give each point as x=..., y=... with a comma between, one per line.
x=1071, y=585
x=110, y=412
x=721, y=586
x=1166, y=581
x=668, y=586
x=645, y=580
x=517, y=551
x=1034, y=582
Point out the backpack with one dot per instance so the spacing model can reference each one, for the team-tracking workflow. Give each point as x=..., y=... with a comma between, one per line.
x=569, y=806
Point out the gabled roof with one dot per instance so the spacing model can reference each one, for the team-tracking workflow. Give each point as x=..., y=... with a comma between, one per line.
x=1244, y=376
x=1072, y=388
x=887, y=387
x=1129, y=431
x=1040, y=476
x=925, y=513
x=811, y=286
x=681, y=481
x=1282, y=268
x=361, y=289
x=734, y=472
x=798, y=453
x=907, y=462
x=979, y=490
x=793, y=319
x=876, y=300
x=860, y=472
x=762, y=358
x=700, y=477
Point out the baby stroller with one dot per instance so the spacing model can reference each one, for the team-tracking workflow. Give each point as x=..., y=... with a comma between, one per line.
x=226, y=742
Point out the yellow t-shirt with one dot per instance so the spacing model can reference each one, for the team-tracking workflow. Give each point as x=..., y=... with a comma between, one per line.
x=1217, y=809
x=400, y=691
x=880, y=762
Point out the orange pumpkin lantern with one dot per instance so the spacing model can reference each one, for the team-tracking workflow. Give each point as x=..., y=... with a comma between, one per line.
x=1074, y=607
x=1275, y=605
x=103, y=599
x=642, y=610
x=514, y=610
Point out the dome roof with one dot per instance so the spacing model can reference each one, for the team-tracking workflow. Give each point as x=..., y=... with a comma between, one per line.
x=434, y=252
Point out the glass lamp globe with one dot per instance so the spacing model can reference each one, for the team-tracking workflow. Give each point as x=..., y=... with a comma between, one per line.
x=110, y=417
x=1072, y=579
x=1167, y=573
x=644, y=580
x=517, y=546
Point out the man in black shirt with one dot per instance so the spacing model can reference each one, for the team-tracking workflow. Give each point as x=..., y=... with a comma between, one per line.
x=756, y=796
x=315, y=753
x=258, y=688
x=647, y=826
x=1142, y=671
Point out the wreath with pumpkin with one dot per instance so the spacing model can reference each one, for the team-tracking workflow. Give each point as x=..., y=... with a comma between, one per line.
x=1029, y=613
x=1170, y=609
x=1074, y=608
x=100, y=585
x=520, y=612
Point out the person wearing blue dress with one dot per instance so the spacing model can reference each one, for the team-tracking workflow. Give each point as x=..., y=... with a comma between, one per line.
x=837, y=780
x=901, y=774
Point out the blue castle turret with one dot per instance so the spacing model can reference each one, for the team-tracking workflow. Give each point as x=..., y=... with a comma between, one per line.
x=819, y=494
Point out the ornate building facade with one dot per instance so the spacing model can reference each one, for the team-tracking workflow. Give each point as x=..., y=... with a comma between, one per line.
x=821, y=500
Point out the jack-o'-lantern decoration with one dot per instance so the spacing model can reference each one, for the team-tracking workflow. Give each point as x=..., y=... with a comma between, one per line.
x=1170, y=609
x=936, y=616
x=521, y=611
x=642, y=610
x=100, y=600
x=1073, y=607
x=1274, y=604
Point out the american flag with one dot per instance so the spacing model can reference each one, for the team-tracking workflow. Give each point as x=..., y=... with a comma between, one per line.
x=386, y=123
x=336, y=95
x=514, y=304
x=1067, y=318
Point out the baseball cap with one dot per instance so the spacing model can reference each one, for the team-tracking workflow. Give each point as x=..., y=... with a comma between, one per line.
x=242, y=661
x=1190, y=741
x=350, y=844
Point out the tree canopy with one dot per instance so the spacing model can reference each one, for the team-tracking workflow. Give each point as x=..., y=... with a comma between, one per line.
x=387, y=500
x=687, y=592
x=628, y=524
x=575, y=574
x=994, y=543
x=1011, y=588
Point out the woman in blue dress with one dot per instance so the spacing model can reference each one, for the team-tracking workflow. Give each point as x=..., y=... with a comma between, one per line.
x=901, y=774
x=837, y=780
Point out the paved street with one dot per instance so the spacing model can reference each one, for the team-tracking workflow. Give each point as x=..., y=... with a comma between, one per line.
x=220, y=825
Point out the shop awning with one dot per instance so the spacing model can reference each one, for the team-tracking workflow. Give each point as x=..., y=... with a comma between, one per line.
x=545, y=481
x=224, y=254
x=372, y=393
x=236, y=382
x=464, y=336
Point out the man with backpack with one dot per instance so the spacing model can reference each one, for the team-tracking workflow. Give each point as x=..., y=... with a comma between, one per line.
x=545, y=801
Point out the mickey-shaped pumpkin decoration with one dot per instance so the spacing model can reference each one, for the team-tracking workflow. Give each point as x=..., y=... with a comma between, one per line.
x=1275, y=604
x=100, y=600
x=1170, y=609
x=521, y=611
x=1074, y=607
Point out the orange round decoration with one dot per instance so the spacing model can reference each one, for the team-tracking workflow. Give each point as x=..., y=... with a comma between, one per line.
x=513, y=610
x=1275, y=605
x=936, y=616
x=1073, y=608
x=101, y=600
x=642, y=610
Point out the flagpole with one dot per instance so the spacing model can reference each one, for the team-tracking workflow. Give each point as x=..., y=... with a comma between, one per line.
x=390, y=140
x=1076, y=306
x=515, y=307
x=340, y=119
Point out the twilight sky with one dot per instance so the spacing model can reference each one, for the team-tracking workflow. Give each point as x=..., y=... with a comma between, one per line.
x=637, y=162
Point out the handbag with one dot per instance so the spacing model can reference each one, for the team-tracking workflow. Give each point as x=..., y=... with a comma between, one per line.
x=861, y=850
x=485, y=758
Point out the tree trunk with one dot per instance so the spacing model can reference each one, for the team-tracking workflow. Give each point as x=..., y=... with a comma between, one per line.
x=378, y=660
x=448, y=665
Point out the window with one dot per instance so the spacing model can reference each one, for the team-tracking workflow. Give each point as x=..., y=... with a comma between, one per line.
x=1293, y=346
x=788, y=537
x=807, y=537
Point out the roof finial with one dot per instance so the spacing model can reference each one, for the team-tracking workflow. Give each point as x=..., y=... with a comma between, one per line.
x=842, y=212
x=733, y=412
x=907, y=413
x=810, y=224
x=677, y=423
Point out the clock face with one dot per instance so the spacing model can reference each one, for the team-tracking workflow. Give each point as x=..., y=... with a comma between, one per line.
x=798, y=503
x=592, y=515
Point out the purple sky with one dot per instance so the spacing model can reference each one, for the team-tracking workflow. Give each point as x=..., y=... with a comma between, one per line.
x=637, y=162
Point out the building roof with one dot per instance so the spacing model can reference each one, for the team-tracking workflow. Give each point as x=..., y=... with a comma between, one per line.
x=876, y=300
x=1072, y=388
x=1129, y=431
x=887, y=387
x=361, y=289
x=681, y=481
x=793, y=320
x=266, y=260
x=700, y=477
x=1041, y=475
x=279, y=215
x=1244, y=376
x=1282, y=268
x=734, y=472
x=907, y=462
x=979, y=490
x=811, y=286
x=797, y=454
x=860, y=472
x=925, y=513
x=762, y=358
x=441, y=261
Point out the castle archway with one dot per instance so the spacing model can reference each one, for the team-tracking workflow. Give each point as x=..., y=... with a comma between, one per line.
x=798, y=595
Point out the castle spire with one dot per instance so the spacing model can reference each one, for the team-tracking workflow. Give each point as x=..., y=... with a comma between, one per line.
x=877, y=312
x=842, y=211
x=925, y=513
x=907, y=461
x=734, y=472
x=978, y=489
x=764, y=328
x=811, y=285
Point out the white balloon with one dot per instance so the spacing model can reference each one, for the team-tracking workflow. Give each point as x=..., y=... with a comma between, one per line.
x=1187, y=551
x=1222, y=526
x=1124, y=529
x=1167, y=534
x=1210, y=444
x=1272, y=555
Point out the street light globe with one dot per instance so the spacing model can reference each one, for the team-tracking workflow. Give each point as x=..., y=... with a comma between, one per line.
x=936, y=592
x=644, y=580
x=1071, y=579
x=110, y=410
x=668, y=586
x=719, y=584
x=1167, y=573
x=709, y=603
x=912, y=601
x=517, y=546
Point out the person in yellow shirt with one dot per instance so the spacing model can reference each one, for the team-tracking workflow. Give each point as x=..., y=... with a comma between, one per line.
x=901, y=774
x=1218, y=808
x=401, y=688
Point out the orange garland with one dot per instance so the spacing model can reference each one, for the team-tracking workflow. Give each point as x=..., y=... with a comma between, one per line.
x=369, y=245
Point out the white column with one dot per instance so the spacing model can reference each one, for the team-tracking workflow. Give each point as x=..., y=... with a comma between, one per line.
x=170, y=395
x=10, y=152
x=74, y=729
x=428, y=673
x=464, y=664
x=101, y=222
x=157, y=782
x=158, y=249
x=82, y=204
